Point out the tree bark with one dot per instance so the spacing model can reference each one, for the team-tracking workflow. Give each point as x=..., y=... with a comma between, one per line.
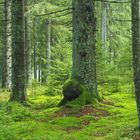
x=8, y=44
x=104, y=23
x=7, y=72
x=28, y=49
x=48, y=48
x=84, y=51
x=18, y=52
x=136, y=50
x=35, y=52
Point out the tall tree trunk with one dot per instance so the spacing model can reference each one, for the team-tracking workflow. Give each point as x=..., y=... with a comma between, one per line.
x=28, y=49
x=104, y=23
x=48, y=48
x=39, y=69
x=18, y=52
x=46, y=67
x=84, y=59
x=136, y=50
x=4, y=50
x=8, y=42
x=35, y=52
x=3, y=61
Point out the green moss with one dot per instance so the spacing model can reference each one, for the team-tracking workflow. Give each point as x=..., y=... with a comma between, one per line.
x=73, y=82
x=84, y=98
x=18, y=122
x=80, y=100
x=62, y=102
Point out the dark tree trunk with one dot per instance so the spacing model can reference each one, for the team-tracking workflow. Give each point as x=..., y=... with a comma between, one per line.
x=3, y=84
x=18, y=52
x=136, y=50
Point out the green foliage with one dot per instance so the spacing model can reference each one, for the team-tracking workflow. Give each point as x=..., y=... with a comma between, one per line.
x=60, y=67
x=13, y=112
x=114, y=62
x=18, y=112
x=7, y=133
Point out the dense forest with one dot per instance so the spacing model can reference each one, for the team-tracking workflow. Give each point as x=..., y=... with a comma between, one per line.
x=70, y=70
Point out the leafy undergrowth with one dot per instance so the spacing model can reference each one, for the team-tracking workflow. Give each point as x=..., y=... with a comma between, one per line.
x=115, y=118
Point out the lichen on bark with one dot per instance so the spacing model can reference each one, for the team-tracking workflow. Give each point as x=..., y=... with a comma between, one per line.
x=84, y=50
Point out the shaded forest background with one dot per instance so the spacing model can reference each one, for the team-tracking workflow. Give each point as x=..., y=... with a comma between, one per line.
x=114, y=59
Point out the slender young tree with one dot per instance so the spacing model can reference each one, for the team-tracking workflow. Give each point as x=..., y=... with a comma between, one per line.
x=84, y=52
x=136, y=50
x=7, y=61
x=104, y=23
x=18, y=52
x=48, y=48
x=35, y=50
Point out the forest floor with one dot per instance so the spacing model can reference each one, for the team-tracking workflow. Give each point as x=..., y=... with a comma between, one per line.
x=115, y=118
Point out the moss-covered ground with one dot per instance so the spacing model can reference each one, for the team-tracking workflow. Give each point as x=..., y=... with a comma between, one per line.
x=114, y=118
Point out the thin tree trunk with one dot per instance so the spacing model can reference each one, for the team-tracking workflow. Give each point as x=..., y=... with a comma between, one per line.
x=39, y=69
x=48, y=48
x=18, y=52
x=104, y=23
x=8, y=45
x=7, y=72
x=34, y=56
x=3, y=62
x=28, y=46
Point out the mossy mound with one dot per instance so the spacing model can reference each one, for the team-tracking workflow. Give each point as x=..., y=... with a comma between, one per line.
x=72, y=91
x=76, y=94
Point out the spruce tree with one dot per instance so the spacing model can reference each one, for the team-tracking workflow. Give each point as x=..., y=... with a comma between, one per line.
x=18, y=52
